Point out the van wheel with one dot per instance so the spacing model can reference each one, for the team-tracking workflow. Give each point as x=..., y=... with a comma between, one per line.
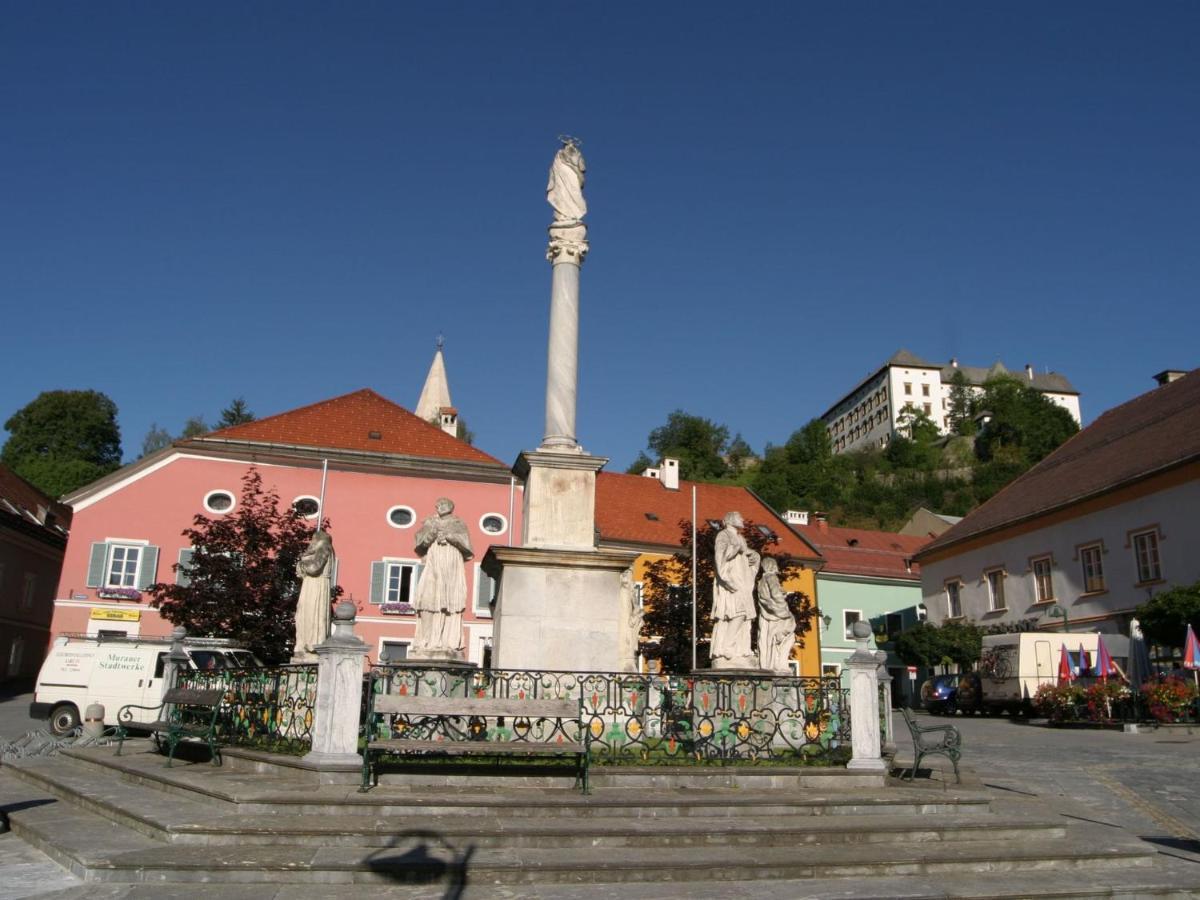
x=64, y=719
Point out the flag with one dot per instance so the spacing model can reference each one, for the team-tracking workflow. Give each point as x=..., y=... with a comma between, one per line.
x=1191, y=653
x=1064, y=667
x=1085, y=661
x=1104, y=661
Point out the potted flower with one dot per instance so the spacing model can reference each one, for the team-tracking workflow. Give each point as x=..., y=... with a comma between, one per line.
x=1168, y=698
x=397, y=609
x=119, y=593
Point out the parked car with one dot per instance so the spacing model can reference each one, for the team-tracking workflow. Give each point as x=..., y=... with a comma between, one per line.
x=946, y=694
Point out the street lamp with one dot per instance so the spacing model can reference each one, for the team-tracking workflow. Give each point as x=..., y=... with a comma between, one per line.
x=1058, y=612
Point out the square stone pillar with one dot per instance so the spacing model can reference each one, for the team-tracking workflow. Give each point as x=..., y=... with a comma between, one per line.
x=864, y=703
x=339, y=693
x=560, y=498
x=885, y=700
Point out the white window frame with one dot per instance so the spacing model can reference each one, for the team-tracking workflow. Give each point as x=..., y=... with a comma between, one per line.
x=835, y=673
x=846, y=625
x=955, y=600
x=316, y=500
x=387, y=517
x=1096, y=585
x=110, y=558
x=383, y=641
x=1038, y=596
x=503, y=524
x=220, y=512
x=1156, y=574
x=997, y=602
x=387, y=578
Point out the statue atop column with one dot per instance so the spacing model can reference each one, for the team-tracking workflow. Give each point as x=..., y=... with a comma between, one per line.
x=776, y=624
x=736, y=566
x=441, y=596
x=315, y=568
x=564, y=192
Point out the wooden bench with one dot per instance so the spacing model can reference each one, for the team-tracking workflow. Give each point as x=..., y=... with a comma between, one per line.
x=183, y=713
x=440, y=725
x=932, y=740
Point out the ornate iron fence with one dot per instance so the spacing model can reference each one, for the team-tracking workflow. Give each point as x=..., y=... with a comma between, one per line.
x=646, y=719
x=270, y=708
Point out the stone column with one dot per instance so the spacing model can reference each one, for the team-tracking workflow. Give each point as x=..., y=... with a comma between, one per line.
x=177, y=659
x=562, y=357
x=864, y=703
x=339, y=693
x=885, y=692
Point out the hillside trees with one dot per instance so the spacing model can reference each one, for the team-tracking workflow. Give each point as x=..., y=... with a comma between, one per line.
x=1165, y=617
x=700, y=445
x=62, y=440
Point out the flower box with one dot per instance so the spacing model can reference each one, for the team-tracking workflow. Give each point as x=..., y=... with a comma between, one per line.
x=116, y=593
x=397, y=609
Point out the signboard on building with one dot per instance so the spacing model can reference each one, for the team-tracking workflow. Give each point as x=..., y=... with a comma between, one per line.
x=117, y=615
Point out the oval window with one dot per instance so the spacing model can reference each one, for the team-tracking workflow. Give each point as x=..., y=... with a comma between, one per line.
x=493, y=523
x=306, y=506
x=218, y=501
x=401, y=516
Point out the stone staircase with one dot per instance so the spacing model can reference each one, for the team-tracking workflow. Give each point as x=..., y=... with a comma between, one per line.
x=130, y=820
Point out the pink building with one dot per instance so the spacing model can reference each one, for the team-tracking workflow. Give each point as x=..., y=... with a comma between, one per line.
x=387, y=468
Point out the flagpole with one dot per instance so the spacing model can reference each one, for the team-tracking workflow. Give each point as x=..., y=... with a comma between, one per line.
x=321, y=502
x=694, y=552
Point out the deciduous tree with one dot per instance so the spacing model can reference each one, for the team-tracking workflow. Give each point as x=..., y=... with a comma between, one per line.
x=699, y=444
x=1165, y=617
x=63, y=440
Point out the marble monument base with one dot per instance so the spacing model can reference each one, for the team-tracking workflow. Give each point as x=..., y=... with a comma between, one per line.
x=561, y=610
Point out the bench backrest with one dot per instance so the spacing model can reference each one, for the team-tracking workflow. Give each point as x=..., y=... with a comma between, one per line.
x=913, y=728
x=403, y=704
x=193, y=697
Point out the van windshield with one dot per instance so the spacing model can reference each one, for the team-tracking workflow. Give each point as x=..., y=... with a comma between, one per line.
x=208, y=659
x=243, y=659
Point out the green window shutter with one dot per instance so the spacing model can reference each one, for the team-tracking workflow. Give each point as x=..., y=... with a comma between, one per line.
x=183, y=574
x=148, y=568
x=378, y=574
x=485, y=585
x=95, y=576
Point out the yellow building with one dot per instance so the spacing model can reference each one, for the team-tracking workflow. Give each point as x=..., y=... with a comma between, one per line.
x=649, y=513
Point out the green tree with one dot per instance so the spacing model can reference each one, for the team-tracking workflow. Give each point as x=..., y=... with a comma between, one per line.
x=1022, y=420
x=194, y=427
x=667, y=595
x=63, y=440
x=241, y=581
x=962, y=407
x=156, y=438
x=1165, y=617
x=931, y=646
x=640, y=465
x=236, y=413
x=699, y=444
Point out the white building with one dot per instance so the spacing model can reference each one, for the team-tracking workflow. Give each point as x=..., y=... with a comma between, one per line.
x=1093, y=530
x=873, y=411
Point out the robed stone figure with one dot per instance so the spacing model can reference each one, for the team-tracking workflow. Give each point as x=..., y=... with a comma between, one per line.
x=315, y=568
x=733, y=597
x=441, y=597
x=776, y=624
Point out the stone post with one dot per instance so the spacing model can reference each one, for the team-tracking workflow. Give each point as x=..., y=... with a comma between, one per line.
x=177, y=659
x=864, y=703
x=562, y=358
x=885, y=692
x=339, y=693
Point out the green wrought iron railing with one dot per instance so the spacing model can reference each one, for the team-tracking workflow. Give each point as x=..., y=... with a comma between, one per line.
x=269, y=708
x=642, y=718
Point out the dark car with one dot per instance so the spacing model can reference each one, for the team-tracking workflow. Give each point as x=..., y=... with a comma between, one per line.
x=946, y=694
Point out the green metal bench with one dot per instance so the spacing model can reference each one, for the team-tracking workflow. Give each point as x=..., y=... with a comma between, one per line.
x=437, y=727
x=184, y=713
x=933, y=740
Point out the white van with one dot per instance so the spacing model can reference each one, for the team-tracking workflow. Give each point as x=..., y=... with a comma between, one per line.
x=115, y=670
x=1014, y=665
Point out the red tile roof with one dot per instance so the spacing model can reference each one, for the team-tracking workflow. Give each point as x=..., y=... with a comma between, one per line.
x=1157, y=431
x=856, y=551
x=623, y=502
x=348, y=423
x=20, y=498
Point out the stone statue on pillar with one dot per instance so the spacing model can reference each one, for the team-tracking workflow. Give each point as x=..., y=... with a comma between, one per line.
x=776, y=624
x=445, y=544
x=315, y=569
x=564, y=192
x=736, y=566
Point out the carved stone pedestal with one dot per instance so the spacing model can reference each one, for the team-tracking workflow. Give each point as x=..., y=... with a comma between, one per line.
x=339, y=693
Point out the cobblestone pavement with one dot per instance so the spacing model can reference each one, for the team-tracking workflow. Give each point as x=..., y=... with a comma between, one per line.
x=1147, y=783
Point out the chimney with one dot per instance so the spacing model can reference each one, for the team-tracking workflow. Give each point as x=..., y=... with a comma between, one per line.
x=651, y=472
x=1166, y=376
x=822, y=521
x=1029, y=371
x=448, y=420
x=796, y=517
x=670, y=474
x=954, y=362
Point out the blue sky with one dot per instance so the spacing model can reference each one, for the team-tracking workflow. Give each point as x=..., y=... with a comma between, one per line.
x=291, y=201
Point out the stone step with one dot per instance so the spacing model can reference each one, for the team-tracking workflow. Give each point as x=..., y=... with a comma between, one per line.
x=257, y=793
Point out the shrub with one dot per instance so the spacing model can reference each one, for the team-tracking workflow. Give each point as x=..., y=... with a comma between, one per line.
x=1059, y=703
x=1168, y=697
x=1104, y=697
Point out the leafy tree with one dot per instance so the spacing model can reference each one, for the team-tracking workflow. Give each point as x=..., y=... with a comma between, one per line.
x=699, y=444
x=932, y=645
x=156, y=438
x=194, y=427
x=962, y=405
x=667, y=594
x=63, y=440
x=242, y=580
x=1023, y=420
x=640, y=465
x=236, y=413
x=740, y=456
x=1165, y=617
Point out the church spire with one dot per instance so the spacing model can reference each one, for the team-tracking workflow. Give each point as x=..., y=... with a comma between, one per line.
x=434, y=404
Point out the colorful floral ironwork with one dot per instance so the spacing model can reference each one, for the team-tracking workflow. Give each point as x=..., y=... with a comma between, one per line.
x=270, y=708
x=643, y=718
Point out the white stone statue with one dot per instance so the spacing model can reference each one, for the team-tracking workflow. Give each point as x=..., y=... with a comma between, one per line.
x=776, y=624
x=441, y=597
x=564, y=192
x=733, y=597
x=315, y=568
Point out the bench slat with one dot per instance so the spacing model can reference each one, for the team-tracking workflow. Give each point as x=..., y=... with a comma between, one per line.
x=477, y=747
x=193, y=697
x=476, y=706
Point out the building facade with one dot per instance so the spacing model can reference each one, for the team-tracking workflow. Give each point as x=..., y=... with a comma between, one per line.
x=1089, y=533
x=33, y=539
x=873, y=413
x=386, y=470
